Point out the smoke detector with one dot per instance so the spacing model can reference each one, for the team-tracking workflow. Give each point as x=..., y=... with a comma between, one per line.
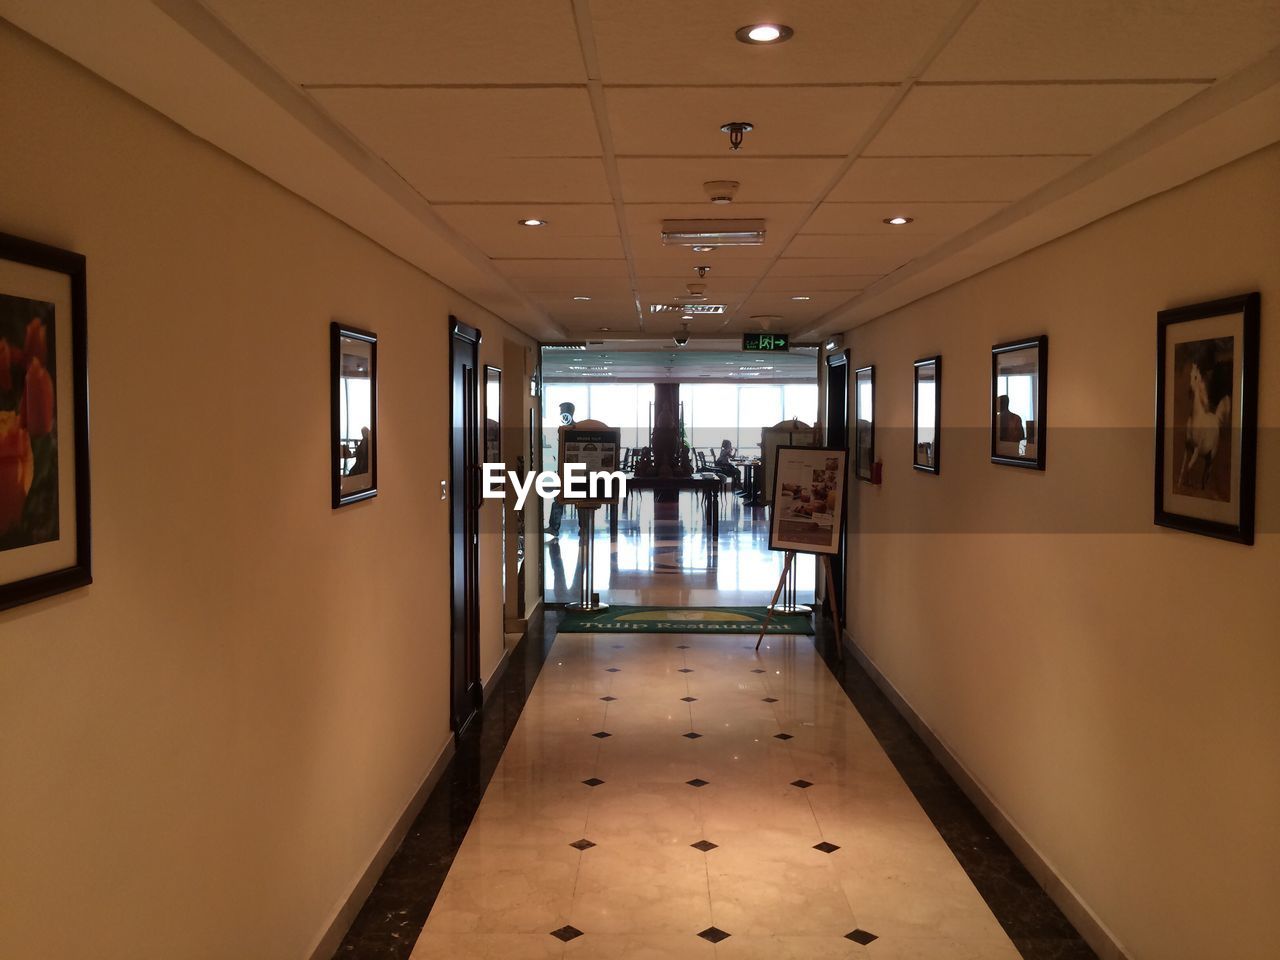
x=721, y=191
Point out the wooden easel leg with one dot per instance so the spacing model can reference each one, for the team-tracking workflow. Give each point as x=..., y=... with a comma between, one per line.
x=835, y=608
x=786, y=568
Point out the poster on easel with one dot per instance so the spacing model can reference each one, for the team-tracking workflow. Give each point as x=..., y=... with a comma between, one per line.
x=792, y=433
x=808, y=499
x=597, y=449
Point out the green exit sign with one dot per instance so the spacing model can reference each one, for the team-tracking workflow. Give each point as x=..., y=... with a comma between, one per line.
x=769, y=342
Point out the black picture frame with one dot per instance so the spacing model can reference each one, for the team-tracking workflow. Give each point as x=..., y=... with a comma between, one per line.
x=68, y=402
x=864, y=437
x=1241, y=315
x=933, y=465
x=798, y=534
x=1035, y=430
x=343, y=458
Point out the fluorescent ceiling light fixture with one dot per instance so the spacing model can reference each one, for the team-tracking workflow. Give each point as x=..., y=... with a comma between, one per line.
x=897, y=221
x=802, y=298
x=698, y=233
x=531, y=222
x=582, y=299
x=762, y=33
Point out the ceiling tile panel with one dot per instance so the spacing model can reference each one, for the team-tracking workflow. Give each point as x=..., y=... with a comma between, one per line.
x=534, y=181
x=861, y=268
x=411, y=41
x=500, y=220
x=524, y=246
x=836, y=41
x=991, y=179
x=679, y=261
x=573, y=269
x=602, y=288
x=897, y=249
x=787, y=121
x=1022, y=119
x=807, y=285
x=462, y=123
x=654, y=180
x=937, y=219
x=1103, y=39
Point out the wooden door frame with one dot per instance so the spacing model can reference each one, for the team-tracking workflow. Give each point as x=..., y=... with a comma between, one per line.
x=460, y=333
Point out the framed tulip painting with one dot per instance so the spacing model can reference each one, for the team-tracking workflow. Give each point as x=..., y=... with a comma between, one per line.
x=44, y=425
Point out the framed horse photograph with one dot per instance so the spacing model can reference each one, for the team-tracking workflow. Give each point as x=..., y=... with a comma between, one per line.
x=1207, y=417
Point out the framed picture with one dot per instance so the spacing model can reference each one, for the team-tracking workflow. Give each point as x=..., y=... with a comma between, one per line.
x=864, y=428
x=808, y=499
x=492, y=415
x=1019, y=400
x=784, y=433
x=353, y=367
x=1207, y=417
x=927, y=417
x=44, y=422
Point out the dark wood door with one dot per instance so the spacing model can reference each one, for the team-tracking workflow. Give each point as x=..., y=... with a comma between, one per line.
x=464, y=518
x=837, y=420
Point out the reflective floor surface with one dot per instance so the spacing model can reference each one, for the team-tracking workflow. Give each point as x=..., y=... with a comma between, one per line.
x=664, y=552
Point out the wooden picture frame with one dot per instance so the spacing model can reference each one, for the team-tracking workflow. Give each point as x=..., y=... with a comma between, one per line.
x=926, y=434
x=1206, y=445
x=44, y=422
x=864, y=422
x=808, y=497
x=1019, y=410
x=353, y=438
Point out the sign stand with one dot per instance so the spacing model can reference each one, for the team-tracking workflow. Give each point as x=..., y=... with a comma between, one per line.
x=787, y=582
x=588, y=602
x=788, y=588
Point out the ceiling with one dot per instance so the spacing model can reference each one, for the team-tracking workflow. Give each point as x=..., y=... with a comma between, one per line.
x=989, y=122
x=623, y=362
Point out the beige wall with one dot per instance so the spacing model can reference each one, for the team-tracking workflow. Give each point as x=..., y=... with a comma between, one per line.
x=1114, y=693
x=201, y=752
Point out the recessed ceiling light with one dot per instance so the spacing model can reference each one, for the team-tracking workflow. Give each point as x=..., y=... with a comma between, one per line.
x=702, y=248
x=897, y=221
x=764, y=33
x=582, y=298
x=802, y=298
x=604, y=329
x=531, y=222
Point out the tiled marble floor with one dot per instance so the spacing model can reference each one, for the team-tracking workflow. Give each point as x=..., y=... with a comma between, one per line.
x=595, y=846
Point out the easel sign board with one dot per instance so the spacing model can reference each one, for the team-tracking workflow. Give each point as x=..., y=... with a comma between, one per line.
x=808, y=499
x=596, y=448
x=795, y=434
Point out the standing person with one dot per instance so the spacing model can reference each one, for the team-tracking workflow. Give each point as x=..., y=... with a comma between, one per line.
x=567, y=411
x=1009, y=429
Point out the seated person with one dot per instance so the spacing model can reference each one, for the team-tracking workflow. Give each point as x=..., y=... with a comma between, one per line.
x=726, y=466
